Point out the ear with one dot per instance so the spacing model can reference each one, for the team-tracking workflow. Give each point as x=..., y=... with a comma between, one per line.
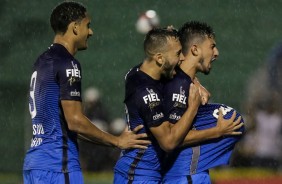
x=159, y=59
x=74, y=27
x=195, y=50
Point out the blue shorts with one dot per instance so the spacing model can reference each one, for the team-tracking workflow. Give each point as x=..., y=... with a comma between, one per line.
x=200, y=178
x=119, y=179
x=49, y=177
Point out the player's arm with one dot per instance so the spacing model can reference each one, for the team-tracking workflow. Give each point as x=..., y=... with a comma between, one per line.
x=204, y=93
x=79, y=123
x=224, y=127
x=98, y=142
x=170, y=135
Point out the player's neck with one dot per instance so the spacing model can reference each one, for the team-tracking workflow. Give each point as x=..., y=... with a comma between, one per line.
x=189, y=69
x=150, y=68
x=66, y=42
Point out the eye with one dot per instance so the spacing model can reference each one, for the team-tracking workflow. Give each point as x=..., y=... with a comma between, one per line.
x=178, y=53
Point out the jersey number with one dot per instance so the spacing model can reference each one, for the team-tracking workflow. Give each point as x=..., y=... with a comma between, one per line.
x=32, y=106
x=225, y=110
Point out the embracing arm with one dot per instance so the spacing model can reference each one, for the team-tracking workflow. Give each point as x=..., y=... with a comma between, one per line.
x=79, y=123
x=223, y=127
x=170, y=135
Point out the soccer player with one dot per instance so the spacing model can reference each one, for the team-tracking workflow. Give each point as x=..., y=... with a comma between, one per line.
x=190, y=164
x=144, y=105
x=55, y=104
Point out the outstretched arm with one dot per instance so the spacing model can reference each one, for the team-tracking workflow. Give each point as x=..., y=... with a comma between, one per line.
x=80, y=124
x=127, y=133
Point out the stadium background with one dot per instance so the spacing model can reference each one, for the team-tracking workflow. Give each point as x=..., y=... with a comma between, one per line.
x=245, y=31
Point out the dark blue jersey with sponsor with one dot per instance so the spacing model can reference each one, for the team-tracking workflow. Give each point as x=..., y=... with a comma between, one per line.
x=56, y=76
x=143, y=106
x=199, y=157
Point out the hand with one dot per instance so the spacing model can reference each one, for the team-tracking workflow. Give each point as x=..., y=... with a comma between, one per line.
x=130, y=139
x=228, y=126
x=194, y=99
x=204, y=93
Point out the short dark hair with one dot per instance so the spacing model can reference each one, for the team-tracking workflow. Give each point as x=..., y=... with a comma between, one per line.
x=65, y=13
x=156, y=40
x=194, y=30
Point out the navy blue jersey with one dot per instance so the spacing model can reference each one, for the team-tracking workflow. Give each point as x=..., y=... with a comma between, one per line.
x=56, y=76
x=143, y=106
x=199, y=157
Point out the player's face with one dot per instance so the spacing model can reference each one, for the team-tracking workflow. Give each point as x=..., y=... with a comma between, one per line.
x=84, y=32
x=172, y=58
x=209, y=53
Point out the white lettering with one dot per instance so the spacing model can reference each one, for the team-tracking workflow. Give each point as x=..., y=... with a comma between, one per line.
x=158, y=116
x=153, y=97
x=179, y=98
x=37, y=129
x=75, y=93
x=224, y=110
x=145, y=98
x=73, y=73
x=174, y=116
x=32, y=107
x=36, y=142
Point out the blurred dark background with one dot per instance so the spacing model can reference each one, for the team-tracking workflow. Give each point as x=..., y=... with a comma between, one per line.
x=245, y=33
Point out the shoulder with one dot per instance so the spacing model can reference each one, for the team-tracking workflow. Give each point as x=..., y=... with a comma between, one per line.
x=138, y=82
x=180, y=79
x=135, y=77
x=179, y=85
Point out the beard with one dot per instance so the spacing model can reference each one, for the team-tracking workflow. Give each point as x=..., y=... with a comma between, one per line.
x=204, y=69
x=167, y=70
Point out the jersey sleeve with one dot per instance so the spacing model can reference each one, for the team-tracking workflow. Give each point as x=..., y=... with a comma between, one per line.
x=149, y=104
x=175, y=94
x=68, y=75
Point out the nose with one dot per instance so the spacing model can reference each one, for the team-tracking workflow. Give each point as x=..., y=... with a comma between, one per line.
x=181, y=58
x=216, y=52
x=90, y=32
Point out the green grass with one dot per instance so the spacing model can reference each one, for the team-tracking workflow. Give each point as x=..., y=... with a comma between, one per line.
x=98, y=178
x=89, y=178
x=10, y=178
x=218, y=174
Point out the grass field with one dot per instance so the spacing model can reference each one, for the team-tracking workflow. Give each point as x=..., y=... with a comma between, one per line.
x=89, y=178
x=218, y=176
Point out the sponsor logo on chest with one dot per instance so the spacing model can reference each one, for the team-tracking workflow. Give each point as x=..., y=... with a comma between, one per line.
x=73, y=73
x=179, y=97
x=151, y=97
x=74, y=93
x=158, y=116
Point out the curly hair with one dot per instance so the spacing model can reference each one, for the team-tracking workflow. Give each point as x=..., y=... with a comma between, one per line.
x=65, y=13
